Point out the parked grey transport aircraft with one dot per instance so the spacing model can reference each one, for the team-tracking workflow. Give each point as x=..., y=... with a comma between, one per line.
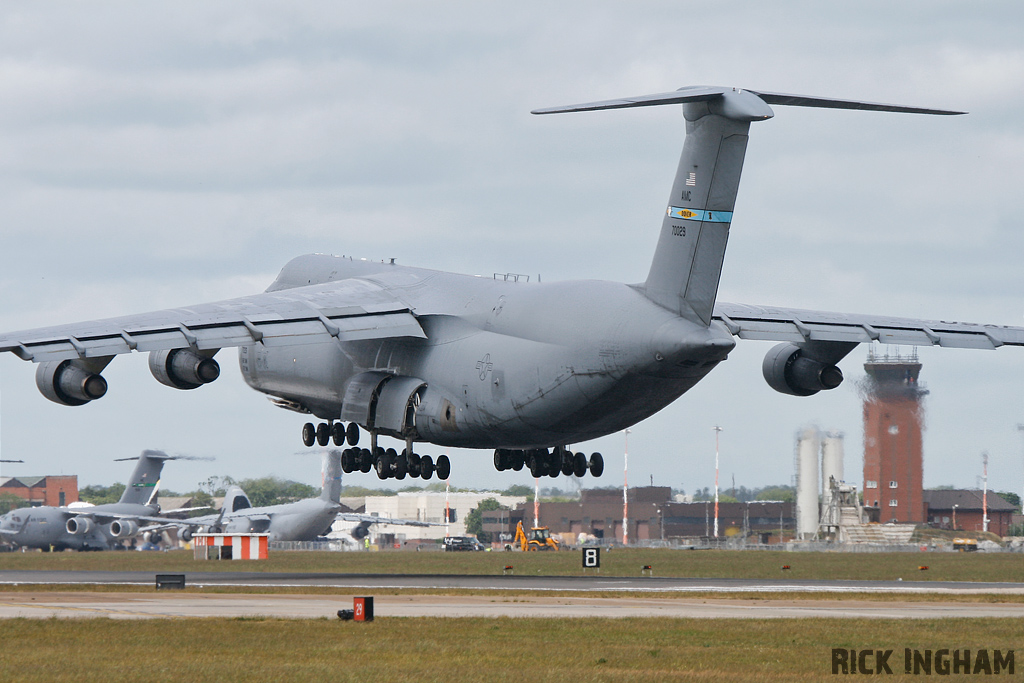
x=525, y=368
x=95, y=527
x=303, y=520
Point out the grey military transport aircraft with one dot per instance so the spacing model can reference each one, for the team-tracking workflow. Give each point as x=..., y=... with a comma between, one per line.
x=303, y=520
x=94, y=527
x=524, y=368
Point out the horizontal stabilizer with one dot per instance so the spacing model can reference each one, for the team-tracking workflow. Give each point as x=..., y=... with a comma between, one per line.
x=711, y=93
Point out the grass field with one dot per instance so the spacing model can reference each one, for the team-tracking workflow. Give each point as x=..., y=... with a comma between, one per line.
x=505, y=650
x=1007, y=567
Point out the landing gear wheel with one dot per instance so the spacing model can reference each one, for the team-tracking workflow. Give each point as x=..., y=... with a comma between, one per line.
x=596, y=465
x=346, y=461
x=308, y=434
x=323, y=433
x=579, y=464
x=401, y=466
x=382, y=464
x=365, y=460
x=444, y=467
x=499, y=460
x=412, y=463
x=568, y=463
x=518, y=460
x=338, y=433
x=426, y=467
x=352, y=434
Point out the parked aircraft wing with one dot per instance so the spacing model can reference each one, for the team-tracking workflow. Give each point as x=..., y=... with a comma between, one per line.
x=795, y=325
x=349, y=310
x=373, y=519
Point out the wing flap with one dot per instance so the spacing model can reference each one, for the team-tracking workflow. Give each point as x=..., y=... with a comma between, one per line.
x=797, y=325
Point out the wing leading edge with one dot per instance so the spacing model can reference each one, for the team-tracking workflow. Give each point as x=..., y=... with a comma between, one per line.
x=349, y=311
x=768, y=323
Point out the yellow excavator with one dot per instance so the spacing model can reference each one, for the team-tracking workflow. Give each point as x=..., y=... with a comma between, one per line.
x=540, y=538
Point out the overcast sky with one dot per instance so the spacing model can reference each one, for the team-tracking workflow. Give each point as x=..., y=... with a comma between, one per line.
x=163, y=154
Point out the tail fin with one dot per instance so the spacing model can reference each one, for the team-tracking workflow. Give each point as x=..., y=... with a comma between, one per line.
x=330, y=491
x=688, y=261
x=144, y=483
x=235, y=500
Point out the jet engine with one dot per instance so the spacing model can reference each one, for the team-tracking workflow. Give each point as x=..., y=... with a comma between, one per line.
x=69, y=382
x=361, y=531
x=123, y=528
x=183, y=368
x=185, y=534
x=804, y=370
x=154, y=537
x=79, y=526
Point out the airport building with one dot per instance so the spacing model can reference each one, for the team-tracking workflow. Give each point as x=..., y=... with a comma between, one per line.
x=53, y=490
x=964, y=510
x=893, y=460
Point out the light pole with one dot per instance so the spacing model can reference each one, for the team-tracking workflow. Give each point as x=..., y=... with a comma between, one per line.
x=625, y=494
x=955, y=506
x=718, y=430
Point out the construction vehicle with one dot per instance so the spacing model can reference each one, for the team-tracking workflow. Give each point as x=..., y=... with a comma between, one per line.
x=540, y=538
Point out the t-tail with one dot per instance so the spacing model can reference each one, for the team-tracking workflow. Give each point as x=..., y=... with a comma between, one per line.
x=688, y=260
x=144, y=484
x=330, y=491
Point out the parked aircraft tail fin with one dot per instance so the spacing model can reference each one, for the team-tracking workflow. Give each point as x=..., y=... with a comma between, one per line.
x=235, y=500
x=144, y=483
x=687, y=263
x=330, y=491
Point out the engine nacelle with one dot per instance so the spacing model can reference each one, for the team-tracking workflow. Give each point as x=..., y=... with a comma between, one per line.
x=79, y=526
x=788, y=370
x=183, y=368
x=123, y=528
x=185, y=534
x=69, y=383
x=154, y=537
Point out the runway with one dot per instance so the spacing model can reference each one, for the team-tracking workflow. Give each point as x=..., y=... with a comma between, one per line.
x=584, y=584
x=536, y=596
x=168, y=604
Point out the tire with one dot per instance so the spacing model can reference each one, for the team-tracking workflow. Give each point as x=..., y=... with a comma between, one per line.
x=426, y=467
x=518, y=460
x=338, y=433
x=596, y=465
x=568, y=463
x=499, y=460
x=346, y=461
x=365, y=460
x=382, y=464
x=352, y=434
x=308, y=434
x=401, y=466
x=412, y=463
x=444, y=467
x=323, y=433
x=579, y=467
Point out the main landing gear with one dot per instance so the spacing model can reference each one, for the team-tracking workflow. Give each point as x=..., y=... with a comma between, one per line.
x=387, y=463
x=541, y=461
x=326, y=432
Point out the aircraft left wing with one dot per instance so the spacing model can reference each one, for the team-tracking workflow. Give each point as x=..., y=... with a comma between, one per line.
x=347, y=309
x=768, y=323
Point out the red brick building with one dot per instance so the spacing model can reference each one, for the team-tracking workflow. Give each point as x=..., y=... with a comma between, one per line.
x=54, y=490
x=893, y=460
x=965, y=506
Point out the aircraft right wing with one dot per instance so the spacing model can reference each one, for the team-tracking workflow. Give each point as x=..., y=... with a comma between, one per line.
x=351, y=309
x=769, y=323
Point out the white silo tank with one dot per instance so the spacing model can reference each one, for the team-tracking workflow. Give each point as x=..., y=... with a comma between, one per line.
x=808, y=448
x=831, y=463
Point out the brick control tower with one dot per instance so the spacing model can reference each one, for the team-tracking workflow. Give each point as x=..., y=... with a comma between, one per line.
x=893, y=422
